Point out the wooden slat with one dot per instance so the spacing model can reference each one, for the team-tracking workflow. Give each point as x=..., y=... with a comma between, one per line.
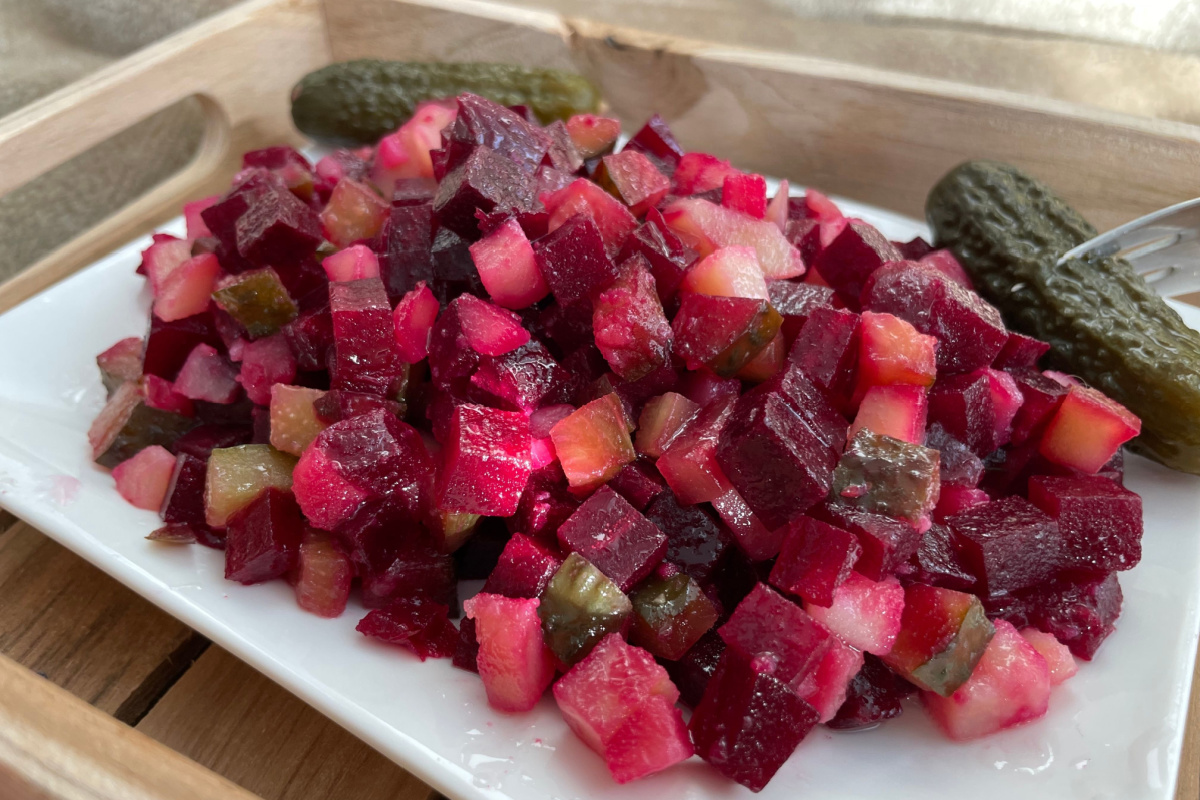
x=68, y=621
x=1188, y=787
x=233, y=720
x=53, y=746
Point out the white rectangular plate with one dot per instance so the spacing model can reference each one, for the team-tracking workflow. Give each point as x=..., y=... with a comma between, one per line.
x=1114, y=731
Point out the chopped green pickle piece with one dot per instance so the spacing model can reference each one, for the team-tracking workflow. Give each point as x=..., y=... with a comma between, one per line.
x=580, y=606
x=887, y=476
x=669, y=616
x=452, y=528
x=126, y=426
x=943, y=634
x=237, y=475
x=258, y=300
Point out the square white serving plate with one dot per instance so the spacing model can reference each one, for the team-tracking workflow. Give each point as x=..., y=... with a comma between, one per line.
x=1114, y=731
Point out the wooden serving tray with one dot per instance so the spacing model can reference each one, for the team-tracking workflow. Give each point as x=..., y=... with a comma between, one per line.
x=870, y=135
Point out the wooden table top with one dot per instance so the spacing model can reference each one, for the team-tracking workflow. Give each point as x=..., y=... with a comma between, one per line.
x=76, y=626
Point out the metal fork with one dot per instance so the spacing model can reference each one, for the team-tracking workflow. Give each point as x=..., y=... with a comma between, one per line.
x=1163, y=247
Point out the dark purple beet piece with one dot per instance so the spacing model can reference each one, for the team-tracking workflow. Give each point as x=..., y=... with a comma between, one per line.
x=656, y=142
x=1100, y=522
x=938, y=563
x=767, y=625
x=969, y=330
x=705, y=387
x=222, y=217
x=959, y=466
x=639, y=483
x=406, y=249
x=184, y=502
x=874, y=695
x=545, y=504
x=486, y=461
x=276, y=157
x=692, y=673
x=615, y=537
x=454, y=272
x=339, y=404
x=562, y=154
x=666, y=254
x=1079, y=610
x=415, y=569
x=262, y=540
x=796, y=301
x=418, y=624
x=749, y=722
x=310, y=336
x=629, y=325
x=367, y=359
x=696, y=543
x=806, y=399
x=850, y=259
x=1020, y=352
x=520, y=380
x=466, y=651
x=965, y=406
x=1042, y=397
x=887, y=543
x=723, y=333
x=573, y=260
x=524, y=569
x=480, y=123
x=777, y=463
x=826, y=350
x=479, y=555
x=277, y=229
x=484, y=180
x=381, y=455
x=414, y=191
x=168, y=344
x=1009, y=544
x=816, y=559
x=200, y=441
x=915, y=249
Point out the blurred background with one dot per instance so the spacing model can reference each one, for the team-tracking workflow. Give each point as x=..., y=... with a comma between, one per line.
x=1136, y=56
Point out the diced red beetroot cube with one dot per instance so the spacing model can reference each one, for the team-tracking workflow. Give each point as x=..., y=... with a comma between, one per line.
x=573, y=260
x=633, y=179
x=322, y=576
x=200, y=441
x=508, y=268
x=943, y=634
x=352, y=264
x=850, y=259
x=705, y=387
x=353, y=213
x=483, y=123
x=656, y=141
x=887, y=543
x=1009, y=686
x=338, y=404
x=832, y=679
x=662, y=418
x=663, y=250
x=892, y=351
x=1058, y=656
x=874, y=695
x=914, y=249
x=826, y=349
x=753, y=537
x=208, y=375
x=341, y=163
x=161, y=394
x=816, y=558
x=120, y=363
x=1087, y=430
x=615, y=537
x=689, y=463
x=277, y=229
x=692, y=672
x=593, y=135
x=405, y=248
x=959, y=466
x=191, y=215
x=412, y=568
x=266, y=362
x=653, y=738
x=945, y=262
x=777, y=463
x=639, y=483
x=183, y=502
x=1042, y=397
x=311, y=336
x=485, y=180
x=1020, y=352
x=707, y=227
x=978, y=408
x=485, y=461
x=466, y=651
x=767, y=626
x=796, y=301
x=366, y=356
x=896, y=410
x=630, y=328
x=865, y=614
x=413, y=320
x=187, y=290
x=745, y=192
x=524, y=569
x=593, y=443
x=1079, y=614
x=954, y=499
x=938, y=563
x=969, y=330
x=521, y=379
x=262, y=540
x=144, y=479
x=723, y=333
x=767, y=364
x=417, y=624
x=489, y=330
x=697, y=173
x=1100, y=522
x=727, y=272
x=1009, y=544
x=513, y=660
x=749, y=721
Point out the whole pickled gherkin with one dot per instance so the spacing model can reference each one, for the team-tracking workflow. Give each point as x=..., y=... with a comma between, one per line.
x=354, y=103
x=1103, y=323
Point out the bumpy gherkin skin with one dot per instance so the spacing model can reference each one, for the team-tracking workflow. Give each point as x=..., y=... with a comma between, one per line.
x=1102, y=321
x=353, y=103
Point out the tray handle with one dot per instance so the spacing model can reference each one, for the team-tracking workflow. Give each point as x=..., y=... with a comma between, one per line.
x=239, y=64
